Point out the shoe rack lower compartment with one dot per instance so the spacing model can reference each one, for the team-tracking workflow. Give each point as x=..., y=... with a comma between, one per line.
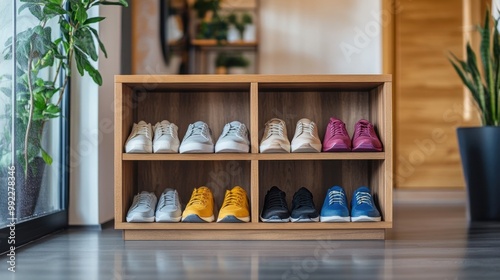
x=316, y=175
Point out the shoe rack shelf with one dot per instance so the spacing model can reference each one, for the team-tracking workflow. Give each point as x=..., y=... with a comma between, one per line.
x=253, y=99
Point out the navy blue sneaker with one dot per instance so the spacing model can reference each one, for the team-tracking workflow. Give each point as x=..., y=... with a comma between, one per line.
x=275, y=209
x=335, y=206
x=303, y=209
x=363, y=207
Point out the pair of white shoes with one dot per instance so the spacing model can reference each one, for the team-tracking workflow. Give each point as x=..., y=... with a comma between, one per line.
x=198, y=139
x=143, y=207
x=305, y=140
x=141, y=141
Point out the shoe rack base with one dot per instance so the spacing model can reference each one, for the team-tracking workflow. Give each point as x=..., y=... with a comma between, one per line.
x=253, y=99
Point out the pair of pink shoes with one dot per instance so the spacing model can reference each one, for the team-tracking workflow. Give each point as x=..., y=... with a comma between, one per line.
x=337, y=139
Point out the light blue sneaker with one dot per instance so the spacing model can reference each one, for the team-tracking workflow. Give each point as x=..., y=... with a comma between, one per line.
x=335, y=206
x=363, y=208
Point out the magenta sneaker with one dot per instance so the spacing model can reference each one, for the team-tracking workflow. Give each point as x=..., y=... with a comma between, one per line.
x=365, y=139
x=336, y=137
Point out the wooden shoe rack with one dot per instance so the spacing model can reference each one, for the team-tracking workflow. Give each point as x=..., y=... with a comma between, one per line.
x=253, y=100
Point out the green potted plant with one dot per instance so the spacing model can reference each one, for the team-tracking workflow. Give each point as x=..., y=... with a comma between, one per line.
x=480, y=146
x=38, y=97
x=220, y=63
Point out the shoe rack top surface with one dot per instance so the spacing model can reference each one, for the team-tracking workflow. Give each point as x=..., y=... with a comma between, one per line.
x=242, y=82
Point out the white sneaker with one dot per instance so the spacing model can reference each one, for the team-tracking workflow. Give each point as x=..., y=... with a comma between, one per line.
x=233, y=139
x=143, y=208
x=166, y=139
x=275, y=139
x=306, y=139
x=139, y=141
x=169, y=207
x=198, y=139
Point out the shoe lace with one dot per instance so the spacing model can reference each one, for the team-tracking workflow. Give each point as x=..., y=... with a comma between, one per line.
x=197, y=130
x=275, y=129
x=234, y=130
x=337, y=128
x=164, y=129
x=142, y=200
x=199, y=197
x=142, y=129
x=363, y=129
x=364, y=197
x=276, y=199
x=168, y=199
x=306, y=128
x=233, y=199
x=336, y=197
x=303, y=199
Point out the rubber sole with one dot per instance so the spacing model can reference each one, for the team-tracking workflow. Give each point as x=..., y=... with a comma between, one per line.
x=233, y=219
x=306, y=148
x=140, y=219
x=167, y=219
x=193, y=218
x=338, y=148
x=274, y=148
x=160, y=148
x=366, y=147
x=305, y=220
x=275, y=220
x=138, y=149
x=334, y=219
x=366, y=219
x=231, y=147
x=196, y=148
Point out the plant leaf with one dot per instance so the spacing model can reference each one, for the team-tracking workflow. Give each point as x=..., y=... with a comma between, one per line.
x=93, y=20
x=101, y=45
x=85, y=42
x=46, y=157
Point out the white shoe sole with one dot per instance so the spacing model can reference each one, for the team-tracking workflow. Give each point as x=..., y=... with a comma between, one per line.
x=231, y=147
x=302, y=220
x=306, y=148
x=196, y=148
x=138, y=149
x=334, y=219
x=167, y=219
x=275, y=148
x=366, y=219
x=140, y=219
x=165, y=148
x=274, y=220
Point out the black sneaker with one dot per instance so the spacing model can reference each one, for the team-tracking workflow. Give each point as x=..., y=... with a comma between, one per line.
x=275, y=208
x=303, y=209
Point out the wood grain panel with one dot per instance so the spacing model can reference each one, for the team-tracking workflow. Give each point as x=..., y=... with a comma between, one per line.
x=427, y=90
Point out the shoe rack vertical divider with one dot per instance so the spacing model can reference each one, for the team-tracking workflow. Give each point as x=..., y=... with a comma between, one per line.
x=253, y=100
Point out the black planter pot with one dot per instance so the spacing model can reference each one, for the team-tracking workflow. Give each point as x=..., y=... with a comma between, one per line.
x=28, y=187
x=480, y=153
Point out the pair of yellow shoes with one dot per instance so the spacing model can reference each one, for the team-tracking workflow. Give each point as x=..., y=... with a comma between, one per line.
x=200, y=207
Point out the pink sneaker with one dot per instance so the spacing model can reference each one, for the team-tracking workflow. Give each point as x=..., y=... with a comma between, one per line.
x=336, y=137
x=365, y=139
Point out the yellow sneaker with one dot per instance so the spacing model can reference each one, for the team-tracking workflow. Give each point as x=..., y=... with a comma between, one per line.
x=235, y=207
x=200, y=207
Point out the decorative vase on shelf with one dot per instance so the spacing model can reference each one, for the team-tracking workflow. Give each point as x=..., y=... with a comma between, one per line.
x=232, y=34
x=237, y=70
x=249, y=33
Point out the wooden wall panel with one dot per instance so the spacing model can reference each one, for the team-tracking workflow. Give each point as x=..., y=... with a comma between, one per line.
x=429, y=95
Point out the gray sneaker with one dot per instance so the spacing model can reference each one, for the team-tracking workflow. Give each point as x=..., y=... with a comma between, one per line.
x=169, y=207
x=234, y=139
x=198, y=139
x=143, y=208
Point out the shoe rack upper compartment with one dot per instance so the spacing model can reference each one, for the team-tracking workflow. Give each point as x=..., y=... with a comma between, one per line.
x=318, y=101
x=184, y=103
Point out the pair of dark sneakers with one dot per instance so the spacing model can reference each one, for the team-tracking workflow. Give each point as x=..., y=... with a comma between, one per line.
x=275, y=208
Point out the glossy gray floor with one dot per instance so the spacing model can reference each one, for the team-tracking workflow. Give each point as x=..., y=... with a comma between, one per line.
x=429, y=241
